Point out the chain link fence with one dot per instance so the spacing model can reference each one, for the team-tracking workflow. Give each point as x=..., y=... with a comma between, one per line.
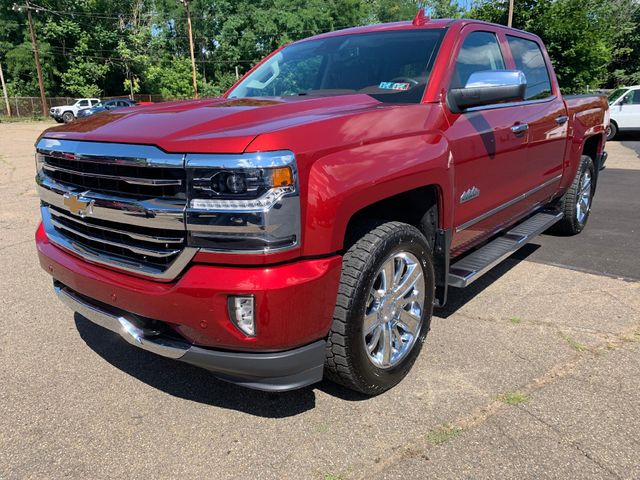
x=29, y=107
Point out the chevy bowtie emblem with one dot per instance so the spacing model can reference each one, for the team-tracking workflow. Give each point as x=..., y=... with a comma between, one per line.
x=78, y=205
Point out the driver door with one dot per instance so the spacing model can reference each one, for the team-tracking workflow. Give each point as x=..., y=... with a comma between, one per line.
x=488, y=156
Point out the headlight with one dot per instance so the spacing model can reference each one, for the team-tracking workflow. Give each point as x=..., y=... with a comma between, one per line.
x=243, y=203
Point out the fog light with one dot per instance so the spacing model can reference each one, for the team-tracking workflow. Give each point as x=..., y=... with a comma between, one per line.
x=241, y=313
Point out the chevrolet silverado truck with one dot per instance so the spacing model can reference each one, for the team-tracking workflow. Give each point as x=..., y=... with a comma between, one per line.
x=305, y=224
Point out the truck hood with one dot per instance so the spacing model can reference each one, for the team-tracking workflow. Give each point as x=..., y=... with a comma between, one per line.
x=217, y=125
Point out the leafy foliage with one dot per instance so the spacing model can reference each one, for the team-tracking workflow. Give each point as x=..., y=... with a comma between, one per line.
x=117, y=47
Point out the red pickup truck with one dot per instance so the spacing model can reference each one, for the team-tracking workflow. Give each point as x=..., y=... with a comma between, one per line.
x=306, y=223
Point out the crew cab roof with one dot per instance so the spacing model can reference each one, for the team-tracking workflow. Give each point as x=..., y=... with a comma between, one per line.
x=408, y=25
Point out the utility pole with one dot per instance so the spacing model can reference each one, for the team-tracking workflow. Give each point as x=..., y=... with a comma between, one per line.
x=510, y=21
x=4, y=92
x=27, y=7
x=193, y=58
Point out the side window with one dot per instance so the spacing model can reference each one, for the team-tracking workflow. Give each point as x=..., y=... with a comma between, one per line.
x=631, y=98
x=529, y=60
x=479, y=52
x=84, y=103
x=94, y=102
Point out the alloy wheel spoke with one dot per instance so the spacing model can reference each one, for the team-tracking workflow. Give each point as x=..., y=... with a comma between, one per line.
x=388, y=272
x=409, y=281
x=370, y=321
x=409, y=321
x=375, y=340
x=385, y=343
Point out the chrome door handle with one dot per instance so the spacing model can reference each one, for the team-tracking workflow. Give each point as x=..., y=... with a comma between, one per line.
x=562, y=119
x=520, y=128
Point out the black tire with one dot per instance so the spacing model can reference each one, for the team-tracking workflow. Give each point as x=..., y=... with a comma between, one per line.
x=612, y=131
x=347, y=362
x=571, y=223
x=68, y=117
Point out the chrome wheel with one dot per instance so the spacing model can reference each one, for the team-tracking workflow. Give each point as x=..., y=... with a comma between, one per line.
x=583, y=203
x=393, y=314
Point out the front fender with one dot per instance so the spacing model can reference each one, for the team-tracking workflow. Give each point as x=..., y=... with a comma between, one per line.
x=342, y=183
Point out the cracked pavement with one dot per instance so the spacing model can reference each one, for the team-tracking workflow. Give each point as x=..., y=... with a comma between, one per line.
x=532, y=372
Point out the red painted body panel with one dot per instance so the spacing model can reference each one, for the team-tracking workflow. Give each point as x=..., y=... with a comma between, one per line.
x=351, y=152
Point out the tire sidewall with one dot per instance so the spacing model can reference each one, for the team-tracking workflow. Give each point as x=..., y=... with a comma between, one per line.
x=612, y=132
x=369, y=373
x=68, y=117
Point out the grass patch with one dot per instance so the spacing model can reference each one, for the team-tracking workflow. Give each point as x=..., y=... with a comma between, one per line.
x=443, y=434
x=515, y=320
x=514, y=398
x=573, y=343
x=5, y=119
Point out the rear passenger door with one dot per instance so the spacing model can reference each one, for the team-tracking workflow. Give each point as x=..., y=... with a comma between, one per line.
x=544, y=112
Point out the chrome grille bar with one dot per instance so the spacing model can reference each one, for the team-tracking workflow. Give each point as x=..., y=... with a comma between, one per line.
x=129, y=180
x=135, y=236
x=142, y=251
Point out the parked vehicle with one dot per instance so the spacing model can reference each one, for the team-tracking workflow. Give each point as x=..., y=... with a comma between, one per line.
x=68, y=113
x=308, y=221
x=624, y=108
x=113, y=104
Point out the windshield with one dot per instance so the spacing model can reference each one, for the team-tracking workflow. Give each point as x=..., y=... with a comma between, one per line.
x=390, y=66
x=617, y=93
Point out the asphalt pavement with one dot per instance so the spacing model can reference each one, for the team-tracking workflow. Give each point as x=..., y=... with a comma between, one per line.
x=532, y=372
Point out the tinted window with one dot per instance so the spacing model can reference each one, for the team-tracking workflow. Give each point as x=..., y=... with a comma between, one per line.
x=529, y=60
x=479, y=52
x=390, y=66
x=95, y=102
x=84, y=103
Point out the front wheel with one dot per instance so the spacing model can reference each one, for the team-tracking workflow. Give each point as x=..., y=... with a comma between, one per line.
x=383, y=310
x=68, y=117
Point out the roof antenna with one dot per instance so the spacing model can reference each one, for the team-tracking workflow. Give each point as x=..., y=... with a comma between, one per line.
x=421, y=18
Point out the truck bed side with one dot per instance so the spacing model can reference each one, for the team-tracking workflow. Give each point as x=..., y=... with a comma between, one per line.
x=587, y=125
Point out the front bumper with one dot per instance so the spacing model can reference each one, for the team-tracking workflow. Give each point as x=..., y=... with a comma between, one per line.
x=279, y=371
x=294, y=305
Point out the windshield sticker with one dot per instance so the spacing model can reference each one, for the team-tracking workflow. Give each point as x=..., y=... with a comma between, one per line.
x=394, y=86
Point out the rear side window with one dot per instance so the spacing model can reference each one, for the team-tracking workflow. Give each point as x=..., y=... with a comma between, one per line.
x=529, y=60
x=479, y=52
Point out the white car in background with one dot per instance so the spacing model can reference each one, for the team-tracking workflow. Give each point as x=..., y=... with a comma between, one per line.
x=68, y=113
x=624, y=108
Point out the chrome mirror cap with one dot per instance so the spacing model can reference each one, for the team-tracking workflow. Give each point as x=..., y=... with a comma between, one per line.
x=496, y=78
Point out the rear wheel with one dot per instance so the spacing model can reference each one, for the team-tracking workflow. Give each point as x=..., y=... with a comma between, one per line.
x=576, y=202
x=383, y=309
x=612, y=131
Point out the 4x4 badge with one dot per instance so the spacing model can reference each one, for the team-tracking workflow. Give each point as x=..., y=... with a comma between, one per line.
x=77, y=205
x=470, y=194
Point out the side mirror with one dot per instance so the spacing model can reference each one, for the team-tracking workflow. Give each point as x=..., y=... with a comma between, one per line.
x=488, y=87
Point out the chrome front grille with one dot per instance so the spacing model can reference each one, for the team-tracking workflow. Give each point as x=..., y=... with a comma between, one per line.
x=135, y=202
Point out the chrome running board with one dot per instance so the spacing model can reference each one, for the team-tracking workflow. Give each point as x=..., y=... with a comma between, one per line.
x=476, y=264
